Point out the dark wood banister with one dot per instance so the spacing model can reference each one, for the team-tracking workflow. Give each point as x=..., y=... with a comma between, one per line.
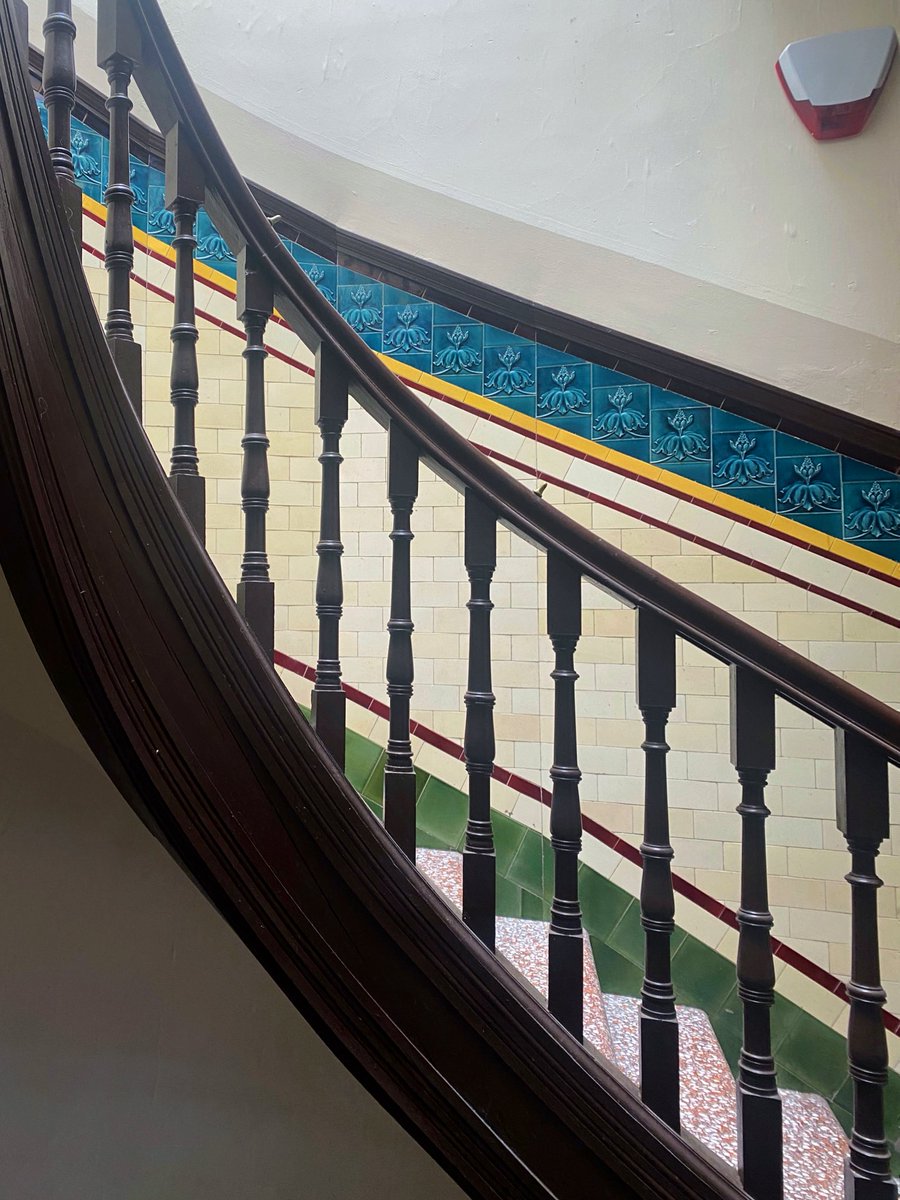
x=170, y=93
x=174, y=695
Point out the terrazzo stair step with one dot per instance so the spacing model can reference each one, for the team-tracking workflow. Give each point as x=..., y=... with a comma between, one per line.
x=814, y=1143
x=523, y=943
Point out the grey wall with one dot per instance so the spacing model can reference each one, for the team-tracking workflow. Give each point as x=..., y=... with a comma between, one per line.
x=144, y=1054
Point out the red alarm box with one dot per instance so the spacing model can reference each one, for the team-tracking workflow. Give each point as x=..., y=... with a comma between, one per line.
x=834, y=81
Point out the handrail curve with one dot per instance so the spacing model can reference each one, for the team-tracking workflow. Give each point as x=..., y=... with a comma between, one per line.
x=172, y=692
x=171, y=95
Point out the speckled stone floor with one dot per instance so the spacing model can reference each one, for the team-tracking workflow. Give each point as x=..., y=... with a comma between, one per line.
x=814, y=1143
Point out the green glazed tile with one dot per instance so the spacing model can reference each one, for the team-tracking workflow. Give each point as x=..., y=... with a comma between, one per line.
x=375, y=807
x=509, y=898
x=627, y=938
x=702, y=977
x=428, y=841
x=508, y=838
x=602, y=903
x=373, y=788
x=788, y=1081
x=535, y=908
x=784, y=1016
x=532, y=866
x=617, y=975
x=441, y=811
x=817, y=1054
x=360, y=757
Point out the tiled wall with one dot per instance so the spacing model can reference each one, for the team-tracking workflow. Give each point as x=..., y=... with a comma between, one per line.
x=807, y=856
x=829, y=492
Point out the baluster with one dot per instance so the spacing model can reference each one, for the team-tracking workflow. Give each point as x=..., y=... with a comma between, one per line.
x=255, y=592
x=399, y=773
x=184, y=194
x=118, y=49
x=565, y=993
x=329, y=704
x=659, y=1021
x=58, y=86
x=479, y=859
x=760, y=1142
x=864, y=819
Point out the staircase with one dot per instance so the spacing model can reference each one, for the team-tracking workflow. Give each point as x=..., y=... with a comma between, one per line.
x=488, y=1036
x=814, y=1143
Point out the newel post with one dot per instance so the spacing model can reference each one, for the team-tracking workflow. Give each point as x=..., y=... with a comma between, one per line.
x=864, y=819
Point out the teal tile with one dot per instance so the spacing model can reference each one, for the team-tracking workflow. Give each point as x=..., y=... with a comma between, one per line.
x=817, y=1054
x=618, y=976
x=508, y=838
x=602, y=902
x=360, y=757
x=532, y=866
x=442, y=811
x=702, y=977
x=509, y=898
x=628, y=935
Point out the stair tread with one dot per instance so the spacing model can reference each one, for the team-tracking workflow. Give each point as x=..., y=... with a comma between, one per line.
x=814, y=1143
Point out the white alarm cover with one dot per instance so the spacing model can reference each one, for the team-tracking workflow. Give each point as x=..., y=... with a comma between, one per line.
x=833, y=81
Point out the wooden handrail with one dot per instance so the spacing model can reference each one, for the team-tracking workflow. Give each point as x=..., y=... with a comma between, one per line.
x=172, y=97
x=181, y=706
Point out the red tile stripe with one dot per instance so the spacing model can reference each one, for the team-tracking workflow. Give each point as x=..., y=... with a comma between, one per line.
x=684, y=887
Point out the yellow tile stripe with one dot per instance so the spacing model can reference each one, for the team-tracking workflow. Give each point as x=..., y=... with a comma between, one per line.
x=732, y=506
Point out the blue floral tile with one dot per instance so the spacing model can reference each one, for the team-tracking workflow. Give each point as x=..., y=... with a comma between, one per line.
x=762, y=497
x=510, y=371
x=139, y=177
x=607, y=377
x=635, y=447
x=396, y=296
x=787, y=446
x=448, y=316
x=459, y=354
x=212, y=247
x=319, y=271
x=679, y=435
x=621, y=412
x=700, y=472
x=743, y=459
x=662, y=398
x=362, y=306
x=580, y=425
x=852, y=469
x=872, y=511
x=347, y=278
x=160, y=222
x=830, y=523
x=88, y=150
x=809, y=485
x=563, y=385
x=726, y=422
x=408, y=330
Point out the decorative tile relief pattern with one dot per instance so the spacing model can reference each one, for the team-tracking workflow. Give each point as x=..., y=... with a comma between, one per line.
x=816, y=487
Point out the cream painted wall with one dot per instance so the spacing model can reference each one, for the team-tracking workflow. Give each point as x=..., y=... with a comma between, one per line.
x=635, y=165
x=144, y=1052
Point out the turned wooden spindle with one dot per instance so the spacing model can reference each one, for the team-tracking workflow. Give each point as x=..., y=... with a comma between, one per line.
x=863, y=816
x=256, y=591
x=660, y=1075
x=479, y=858
x=399, y=772
x=118, y=49
x=184, y=195
x=329, y=704
x=565, y=994
x=760, y=1137
x=58, y=85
